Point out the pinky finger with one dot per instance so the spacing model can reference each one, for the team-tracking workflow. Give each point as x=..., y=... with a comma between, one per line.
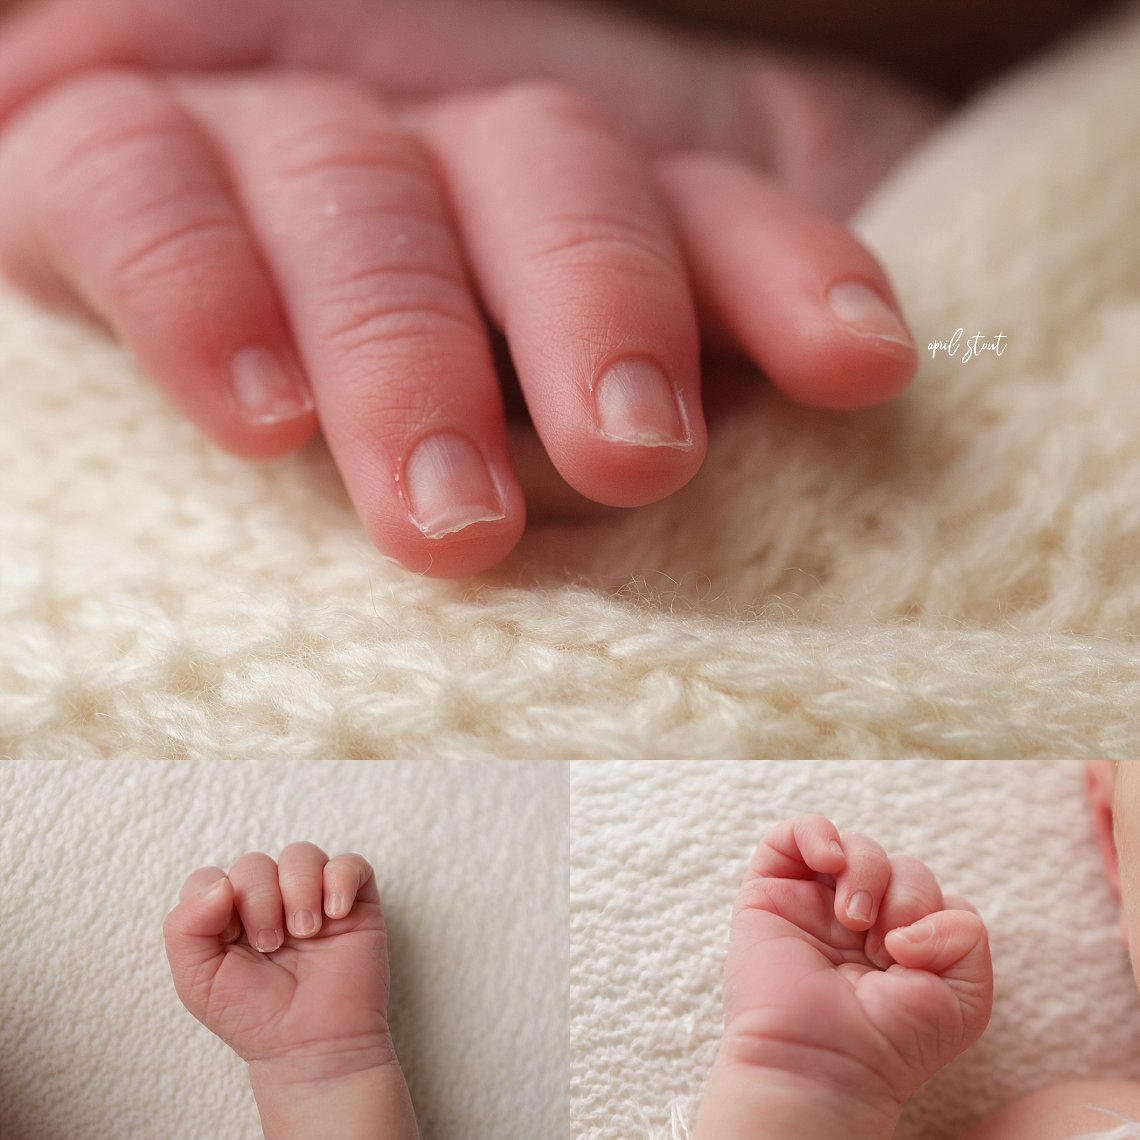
x=348, y=879
x=795, y=290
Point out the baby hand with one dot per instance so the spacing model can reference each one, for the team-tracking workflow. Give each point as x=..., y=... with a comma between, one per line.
x=850, y=980
x=279, y=244
x=286, y=962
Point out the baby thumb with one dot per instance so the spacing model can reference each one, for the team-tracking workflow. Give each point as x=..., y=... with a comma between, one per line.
x=954, y=945
x=202, y=921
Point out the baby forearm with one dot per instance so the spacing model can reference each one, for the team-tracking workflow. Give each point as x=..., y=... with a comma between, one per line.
x=373, y=1104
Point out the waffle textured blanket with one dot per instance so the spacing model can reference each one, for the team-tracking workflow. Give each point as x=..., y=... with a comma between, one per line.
x=657, y=854
x=94, y=1044
x=954, y=575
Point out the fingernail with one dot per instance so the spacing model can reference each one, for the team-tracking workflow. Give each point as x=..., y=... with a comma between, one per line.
x=448, y=486
x=267, y=390
x=859, y=307
x=635, y=403
x=859, y=907
x=304, y=923
x=214, y=889
x=268, y=940
x=835, y=847
x=919, y=932
x=334, y=906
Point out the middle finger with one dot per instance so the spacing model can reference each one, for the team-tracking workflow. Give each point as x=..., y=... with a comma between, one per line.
x=576, y=261
x=301, y=875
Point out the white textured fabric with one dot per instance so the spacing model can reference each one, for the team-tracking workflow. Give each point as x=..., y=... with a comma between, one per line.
x=470, y=858
x=955, y=575
x=657, y=854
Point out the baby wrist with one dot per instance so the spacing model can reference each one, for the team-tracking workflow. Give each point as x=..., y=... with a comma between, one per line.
x=362, y=1098
x=741, y=1102
x=322, y=1063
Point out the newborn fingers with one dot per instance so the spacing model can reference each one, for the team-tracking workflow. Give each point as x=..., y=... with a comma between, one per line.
x=796, y=291
x=203, y=918
x=111, y=193
x=197, y=930
x=348, y=879
x=300, y=872
x=912, y=893
x=257, y=898
x=799, y=848
x=860, y=886
x=314, y=886
x=348, y=212
x=576, y=261
x=265, y=899
x=216, y=223
x=876, y=893
x=872, y=892
x=954, y=945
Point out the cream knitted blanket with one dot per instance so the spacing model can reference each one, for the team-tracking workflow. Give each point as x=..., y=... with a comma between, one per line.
x=955, y=575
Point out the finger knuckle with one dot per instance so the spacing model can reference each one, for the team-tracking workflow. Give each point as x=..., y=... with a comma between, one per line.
x=755, y=894
x=589, y=242
x=96, y=120
x=384, y=306
x=169, y=256
x=324, y=131
x=251, y=863
x=124, y=158
x=555, y=104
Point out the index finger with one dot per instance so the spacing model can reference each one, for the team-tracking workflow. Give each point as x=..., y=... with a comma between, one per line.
x=197, y=882
x=799, y=848
x=860, y=887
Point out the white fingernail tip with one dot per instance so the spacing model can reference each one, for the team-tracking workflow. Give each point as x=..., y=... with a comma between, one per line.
x=861, y=309
x=267, y=390
x=635, y=403
x=448, y=486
